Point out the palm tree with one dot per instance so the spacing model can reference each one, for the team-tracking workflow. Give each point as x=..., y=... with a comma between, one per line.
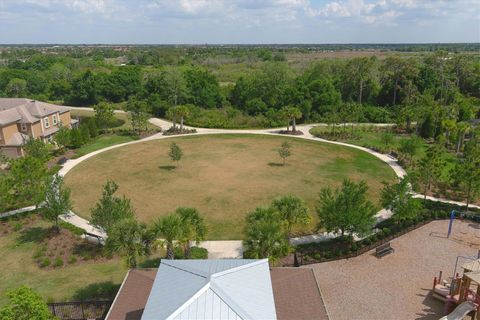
x=171, y=113
x=170, y=229
x=194, y=227
x=265, y=235
x=291, y=113
x=182, y=112
x=127, y=237
x=462, y=129
x=449, y=125
x=293, y=211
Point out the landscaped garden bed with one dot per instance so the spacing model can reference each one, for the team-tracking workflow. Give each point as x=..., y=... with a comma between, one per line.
x=27, y=240
x=177, y=131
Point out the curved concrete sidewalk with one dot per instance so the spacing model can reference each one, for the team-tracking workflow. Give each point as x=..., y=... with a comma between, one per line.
x=164, y=125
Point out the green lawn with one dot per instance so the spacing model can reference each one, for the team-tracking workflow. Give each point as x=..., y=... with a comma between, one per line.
x=224, y=176
x=59, y=284
x=101, y=142
x=125, y=123
x=373, y=139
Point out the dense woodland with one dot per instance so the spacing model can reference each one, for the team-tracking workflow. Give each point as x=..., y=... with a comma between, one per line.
x=248, y=86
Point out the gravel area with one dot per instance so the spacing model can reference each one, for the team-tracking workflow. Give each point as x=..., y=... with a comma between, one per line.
x=398, y=285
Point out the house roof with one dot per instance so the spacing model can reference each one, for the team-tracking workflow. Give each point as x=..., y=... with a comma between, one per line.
x=295, y=290
x=17, y=139
x=297, y=295
x=9, y=116
x=26, y=110
x=206, y=289
x=133, y=295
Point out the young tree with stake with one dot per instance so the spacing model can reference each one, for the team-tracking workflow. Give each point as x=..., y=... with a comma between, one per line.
x=175, y=152
x=285, y=151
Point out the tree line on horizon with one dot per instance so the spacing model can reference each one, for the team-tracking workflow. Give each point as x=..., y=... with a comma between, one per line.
x=401, y=88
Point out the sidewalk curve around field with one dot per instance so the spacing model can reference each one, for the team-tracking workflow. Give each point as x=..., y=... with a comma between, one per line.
x=233, y=246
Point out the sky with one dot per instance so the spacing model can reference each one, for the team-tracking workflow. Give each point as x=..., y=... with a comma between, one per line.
x=238, y=21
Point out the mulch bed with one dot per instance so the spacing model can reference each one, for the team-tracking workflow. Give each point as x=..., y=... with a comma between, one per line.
x=54, y=249
x=291, y=133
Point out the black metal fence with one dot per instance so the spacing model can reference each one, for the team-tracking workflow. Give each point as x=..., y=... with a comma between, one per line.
x=300, y=255
x=80, y=310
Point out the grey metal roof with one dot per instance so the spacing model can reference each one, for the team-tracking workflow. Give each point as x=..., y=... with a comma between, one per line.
x=211, y=289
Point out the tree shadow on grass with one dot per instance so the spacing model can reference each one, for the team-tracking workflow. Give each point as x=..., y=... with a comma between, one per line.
x=35, y=234
x=275, y=164
x=167, y=168
x=96, y=291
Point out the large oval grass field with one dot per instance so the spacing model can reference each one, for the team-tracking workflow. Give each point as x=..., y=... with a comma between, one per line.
x=223, y=176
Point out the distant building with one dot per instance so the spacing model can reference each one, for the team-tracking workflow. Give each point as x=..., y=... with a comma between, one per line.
x=218, y=289
x=22, y=119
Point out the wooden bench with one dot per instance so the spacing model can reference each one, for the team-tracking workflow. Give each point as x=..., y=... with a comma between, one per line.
x=383, y=250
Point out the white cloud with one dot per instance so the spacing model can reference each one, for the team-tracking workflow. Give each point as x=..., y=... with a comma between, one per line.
x=250, y=19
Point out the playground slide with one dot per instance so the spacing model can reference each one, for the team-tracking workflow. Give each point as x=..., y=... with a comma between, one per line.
x=461, y=311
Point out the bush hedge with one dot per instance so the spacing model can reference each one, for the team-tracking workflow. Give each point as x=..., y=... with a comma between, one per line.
x=340, y=248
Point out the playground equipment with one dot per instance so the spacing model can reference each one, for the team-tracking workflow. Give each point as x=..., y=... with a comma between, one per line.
x=461, y=311
x=457, y=290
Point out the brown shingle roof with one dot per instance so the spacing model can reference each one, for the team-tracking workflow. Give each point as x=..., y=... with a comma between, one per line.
x=9, y=116
x=297, y=295
x=26, y=110
x=133, y=295
x=295, y=290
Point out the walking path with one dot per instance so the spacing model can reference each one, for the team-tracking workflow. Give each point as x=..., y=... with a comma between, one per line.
x=234, y=246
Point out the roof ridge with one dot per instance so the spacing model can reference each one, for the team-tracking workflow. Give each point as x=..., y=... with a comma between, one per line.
x=225, y=297
x=189, y=301
x=189, y=270
x=251, y=264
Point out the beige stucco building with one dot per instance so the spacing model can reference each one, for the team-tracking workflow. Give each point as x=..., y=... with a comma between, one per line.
x=22, y=118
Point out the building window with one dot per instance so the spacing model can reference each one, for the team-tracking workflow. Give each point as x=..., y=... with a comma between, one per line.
x=54, y=119
x=23, y=127
x=46, y=122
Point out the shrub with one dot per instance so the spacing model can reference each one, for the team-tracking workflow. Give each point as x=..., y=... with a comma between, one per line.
x=327, y=254
x=354, y=247
x=198, y=253
x=386, y=231
x=17, y=226
x=380, y=235
x=72, y=259
x=317, y=256
x=38, y=253
x=178, y=253
x=45, y=262
x=58, y=262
